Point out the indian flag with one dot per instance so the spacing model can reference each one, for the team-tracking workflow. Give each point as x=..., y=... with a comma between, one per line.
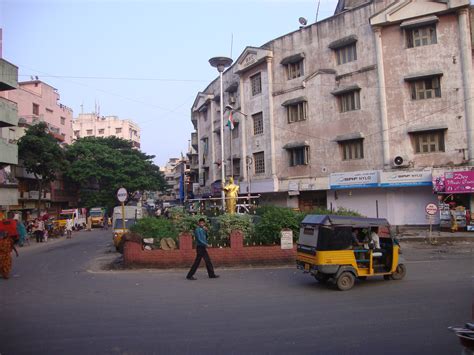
x=230, y=122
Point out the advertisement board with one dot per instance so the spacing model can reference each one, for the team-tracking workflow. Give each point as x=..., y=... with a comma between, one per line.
x=405, y=178
x=354, y=179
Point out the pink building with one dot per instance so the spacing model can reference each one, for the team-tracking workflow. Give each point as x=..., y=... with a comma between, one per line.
x=39, y=102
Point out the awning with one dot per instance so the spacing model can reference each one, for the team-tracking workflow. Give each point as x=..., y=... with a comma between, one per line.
x=295, y=101
x=425, y=128
x=423, y=21
x=349, y=137
x=342, y=42
x=423, y=75
x=345, y=90
x=293, y=145
x=292, y=59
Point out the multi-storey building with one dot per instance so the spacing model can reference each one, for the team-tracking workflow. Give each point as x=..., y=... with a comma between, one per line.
x=360, y=110
x=38, y=102
x=92, y=124
x=8, y=147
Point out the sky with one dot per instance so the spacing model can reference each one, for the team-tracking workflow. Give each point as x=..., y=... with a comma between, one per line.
x=143, y=60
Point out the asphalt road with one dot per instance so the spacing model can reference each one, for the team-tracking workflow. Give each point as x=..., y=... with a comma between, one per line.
x=59, y=302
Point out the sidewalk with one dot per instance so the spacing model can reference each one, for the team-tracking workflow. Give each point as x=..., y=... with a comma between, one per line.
x=34, y=245
x=420, y=235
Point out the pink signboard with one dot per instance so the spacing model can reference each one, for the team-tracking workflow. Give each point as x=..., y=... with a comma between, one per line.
x=459, y=182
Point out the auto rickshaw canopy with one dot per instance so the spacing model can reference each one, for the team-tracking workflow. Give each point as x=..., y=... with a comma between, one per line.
x=343, y=221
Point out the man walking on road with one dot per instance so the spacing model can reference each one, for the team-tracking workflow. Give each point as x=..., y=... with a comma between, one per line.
x=69, y=225
x=201, y=252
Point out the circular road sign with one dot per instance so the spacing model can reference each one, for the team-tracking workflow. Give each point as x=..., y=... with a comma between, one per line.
x=122, y=194
x=431, y=209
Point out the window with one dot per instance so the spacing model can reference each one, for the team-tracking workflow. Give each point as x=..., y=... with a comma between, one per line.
x=421, y=36
x=118, y=130
x=63, y=120
x=346, y=54
x=89, y=132
x=205, y=149
x=425, y=88
x=235, y=131
x=236, y=167
x=101, y=131
x=296, y=112
x=294, y=70
x=259, y=162
x=299, y=156
x=256, y=82
x=36, y=109
x=76, y=133
x=352, y=149
x=48, y=110
x=429, y=141
x=349, y=101
x=258, y=123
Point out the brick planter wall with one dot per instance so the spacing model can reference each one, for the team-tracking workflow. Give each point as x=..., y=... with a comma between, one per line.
x=238, y=254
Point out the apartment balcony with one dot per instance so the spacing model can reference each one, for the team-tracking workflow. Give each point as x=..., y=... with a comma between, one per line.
x=8, y=152
x=34, y=195
x=8, y=113
x=8, y=76
x=194, y=140
x=59, y=195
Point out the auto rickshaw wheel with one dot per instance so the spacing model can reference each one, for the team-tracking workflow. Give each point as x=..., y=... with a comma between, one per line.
x=322, y=278
x=400, y=272
x=345, y=281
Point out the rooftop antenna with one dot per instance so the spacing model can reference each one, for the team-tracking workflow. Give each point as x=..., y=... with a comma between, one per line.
x=231, y=43
x=317, y=10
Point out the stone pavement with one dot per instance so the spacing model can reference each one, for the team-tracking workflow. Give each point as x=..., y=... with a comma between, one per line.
x=422, y=234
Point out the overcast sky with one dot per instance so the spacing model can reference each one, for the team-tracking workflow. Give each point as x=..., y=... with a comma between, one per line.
x=142, y=60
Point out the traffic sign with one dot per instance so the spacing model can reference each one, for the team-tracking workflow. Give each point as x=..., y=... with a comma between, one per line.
x=431, y=209
x=122, y=194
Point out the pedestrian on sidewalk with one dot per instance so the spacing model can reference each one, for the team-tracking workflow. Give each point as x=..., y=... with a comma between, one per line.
x=105, y=223
x=201, y=252
x=69, y=225
x=21, y=230
x=7, y=245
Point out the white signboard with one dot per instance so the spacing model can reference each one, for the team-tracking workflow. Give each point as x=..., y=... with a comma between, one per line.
x=354, y=179
x=431, y=209
x=286, y=239
x=122, y=194
x=405, y=178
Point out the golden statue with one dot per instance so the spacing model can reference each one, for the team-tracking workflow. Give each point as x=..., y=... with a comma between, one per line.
x=231, y=193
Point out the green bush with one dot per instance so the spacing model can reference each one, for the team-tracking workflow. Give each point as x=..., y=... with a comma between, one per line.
x=230, y=222
x=273, y=220
x=341, y=211
x=188, y=222
x=157, y=228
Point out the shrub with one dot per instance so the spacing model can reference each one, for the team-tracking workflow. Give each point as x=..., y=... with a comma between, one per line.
x=188, y=222
x=273, y=220
x=157, y=228
x=230, y=222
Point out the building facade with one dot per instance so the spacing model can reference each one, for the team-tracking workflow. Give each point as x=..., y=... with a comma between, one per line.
x=354, y=111
x=93, y=125
x=8, y=146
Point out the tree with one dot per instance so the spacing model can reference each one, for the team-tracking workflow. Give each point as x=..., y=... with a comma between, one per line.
x=100, y=166
x=41, y=155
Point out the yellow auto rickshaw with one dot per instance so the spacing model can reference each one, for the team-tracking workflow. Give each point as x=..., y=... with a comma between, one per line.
x=343, y=248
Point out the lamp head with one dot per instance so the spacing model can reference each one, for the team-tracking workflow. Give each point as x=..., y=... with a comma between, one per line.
x=220, y=63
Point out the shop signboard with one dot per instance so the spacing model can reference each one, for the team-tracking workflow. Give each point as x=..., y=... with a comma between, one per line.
x=286, y=239
x=459, y=182
x=405, y=178
x=354, y=179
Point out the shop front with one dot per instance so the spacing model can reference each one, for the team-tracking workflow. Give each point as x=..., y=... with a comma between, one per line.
x=455, y=191
x=399, y=196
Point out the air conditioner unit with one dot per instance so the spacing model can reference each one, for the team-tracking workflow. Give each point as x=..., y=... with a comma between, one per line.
x=400, y=161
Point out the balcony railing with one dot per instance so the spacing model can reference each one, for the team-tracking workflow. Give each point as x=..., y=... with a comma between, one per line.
x=194, y=140
x=8, y=75
x=8, y=152
x=8, y=113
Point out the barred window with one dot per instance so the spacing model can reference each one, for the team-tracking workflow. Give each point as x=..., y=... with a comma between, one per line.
x=426, y=88
x=256, y=82
x=296, y=112
x=101, y=131
x=294, y=70
x=421, y=36
x=346, y=54
x=429, y=141
x=352, y=149
x=299, y=156
x=258, y=123
x=259, y=162
x=236, y=167
x=349, y=101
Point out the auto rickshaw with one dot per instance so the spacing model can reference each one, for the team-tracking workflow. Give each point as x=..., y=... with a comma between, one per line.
x=328, y=248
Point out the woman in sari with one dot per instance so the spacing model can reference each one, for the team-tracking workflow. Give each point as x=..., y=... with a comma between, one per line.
x=6, y=248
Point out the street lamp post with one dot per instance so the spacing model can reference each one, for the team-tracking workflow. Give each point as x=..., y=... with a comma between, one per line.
x=221, y=63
